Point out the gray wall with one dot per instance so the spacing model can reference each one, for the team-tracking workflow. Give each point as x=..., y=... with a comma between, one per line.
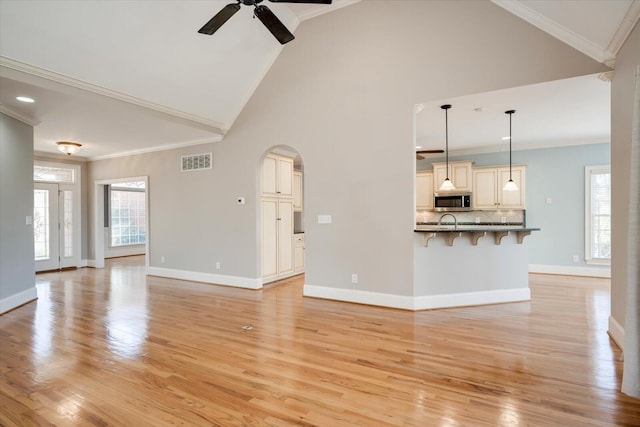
x=344, y=99
x=622, y=90
x=557, y=173
x=17, y=267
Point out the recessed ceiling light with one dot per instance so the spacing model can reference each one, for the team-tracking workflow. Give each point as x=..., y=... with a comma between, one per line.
x=505, y=138
x=25, y=99
x=418, y=147
x=479, y=109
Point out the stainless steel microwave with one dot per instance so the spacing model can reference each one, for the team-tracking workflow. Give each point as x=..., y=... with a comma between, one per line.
x=451, y=201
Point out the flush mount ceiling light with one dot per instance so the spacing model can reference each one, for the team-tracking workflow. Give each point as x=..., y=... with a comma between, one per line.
x=25, y=99
x=510, y=185
x=446, y=184
x=68, y=148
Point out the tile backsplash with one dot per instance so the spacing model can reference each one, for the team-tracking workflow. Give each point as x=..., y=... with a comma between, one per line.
x=511, y=217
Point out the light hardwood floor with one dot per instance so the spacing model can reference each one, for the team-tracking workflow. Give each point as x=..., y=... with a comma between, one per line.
x=111, y=347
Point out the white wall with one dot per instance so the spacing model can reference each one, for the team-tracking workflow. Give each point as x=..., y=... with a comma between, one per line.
x=622, y=90
x=17, y=267
x=343, y=98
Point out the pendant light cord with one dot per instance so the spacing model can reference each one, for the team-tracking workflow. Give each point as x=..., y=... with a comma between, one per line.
x=510, y=113
x=446, y=133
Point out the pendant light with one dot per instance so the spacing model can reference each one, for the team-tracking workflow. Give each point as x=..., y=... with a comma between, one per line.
x=510, y=185
x=446, y=184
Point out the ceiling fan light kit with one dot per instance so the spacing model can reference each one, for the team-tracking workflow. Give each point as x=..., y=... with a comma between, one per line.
x=262, y=12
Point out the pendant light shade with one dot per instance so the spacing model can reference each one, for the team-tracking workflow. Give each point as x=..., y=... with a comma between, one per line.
x=446, y=184
x=510, y=185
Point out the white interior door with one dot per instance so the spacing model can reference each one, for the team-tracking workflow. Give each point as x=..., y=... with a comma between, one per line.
x=45, y=226
x=53, y=226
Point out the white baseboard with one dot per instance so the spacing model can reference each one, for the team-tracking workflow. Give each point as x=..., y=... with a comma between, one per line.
x=16, y=300
x=90, y=263
x=570, y=271
x=496, y=296
x=616, y=332
x=358, y=296
x=425, y=302
x=216, y=279
x=83, y=263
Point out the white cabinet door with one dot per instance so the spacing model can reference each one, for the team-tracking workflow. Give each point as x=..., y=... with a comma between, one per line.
x=285, y=236
x=484, y=189
x=277, y=176
x=511, y=199
x=269, y=212
x=424, y=190
x=285, y=177
x=488, y=184
x=298, y=253
x=297, y=191
x=270, y=176
x=459, y=174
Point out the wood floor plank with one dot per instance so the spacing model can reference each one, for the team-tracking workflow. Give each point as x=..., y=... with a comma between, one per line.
x=112, y=347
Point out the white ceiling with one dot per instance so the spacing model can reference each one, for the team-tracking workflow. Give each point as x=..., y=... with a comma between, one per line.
x=133, y=76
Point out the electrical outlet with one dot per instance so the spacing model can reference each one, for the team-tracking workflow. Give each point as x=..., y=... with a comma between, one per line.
x=477, y=220
x=218, y=265
x=576, y=258
x=503, y=219
x=162, y=259
x=354, y=278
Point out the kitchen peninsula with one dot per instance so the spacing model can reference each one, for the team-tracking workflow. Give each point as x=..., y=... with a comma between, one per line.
x=460, y=261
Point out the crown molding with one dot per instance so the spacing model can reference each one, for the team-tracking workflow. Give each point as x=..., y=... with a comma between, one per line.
x=22, y=67
x=156, y=148
x=558, y=31
x=626, y=26
x=31, y=121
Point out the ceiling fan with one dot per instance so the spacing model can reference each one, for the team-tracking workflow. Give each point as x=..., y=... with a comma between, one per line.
x=419, y=157
x=262, y=12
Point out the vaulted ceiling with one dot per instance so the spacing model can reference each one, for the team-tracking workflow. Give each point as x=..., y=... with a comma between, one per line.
x=132, y=76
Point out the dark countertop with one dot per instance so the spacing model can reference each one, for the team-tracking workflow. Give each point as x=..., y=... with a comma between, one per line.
x=471, y=228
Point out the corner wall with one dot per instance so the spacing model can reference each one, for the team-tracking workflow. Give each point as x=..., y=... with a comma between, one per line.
x=622, y=90
x=17, y=266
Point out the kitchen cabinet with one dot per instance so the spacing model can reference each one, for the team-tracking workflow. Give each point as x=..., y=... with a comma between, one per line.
x=424, y=190
x=298, y=253
x=277, y=176
x=277, y=237
x=297, y=191
x=459, y=174
x=488, y=184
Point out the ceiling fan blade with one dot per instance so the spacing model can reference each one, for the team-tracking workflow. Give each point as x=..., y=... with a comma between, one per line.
x=219, y=19
x=419, y=157
x=273, y=24
x=302, y=1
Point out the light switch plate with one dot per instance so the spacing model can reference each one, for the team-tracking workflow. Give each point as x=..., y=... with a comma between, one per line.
x=324, y=219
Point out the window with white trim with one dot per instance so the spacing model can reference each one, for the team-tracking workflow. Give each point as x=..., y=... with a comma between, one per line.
x=598, y=214
x=127, y=213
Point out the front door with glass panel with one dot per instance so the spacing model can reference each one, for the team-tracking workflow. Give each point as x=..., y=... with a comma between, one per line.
x=53, y=226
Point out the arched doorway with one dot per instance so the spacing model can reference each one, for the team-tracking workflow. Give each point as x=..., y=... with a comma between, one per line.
x=281, y=200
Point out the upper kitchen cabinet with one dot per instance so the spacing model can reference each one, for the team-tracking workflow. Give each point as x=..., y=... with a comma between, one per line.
x=277, y=176
x=488, y=184
x=424, y=190
x=297, y=191
x=459, y=174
